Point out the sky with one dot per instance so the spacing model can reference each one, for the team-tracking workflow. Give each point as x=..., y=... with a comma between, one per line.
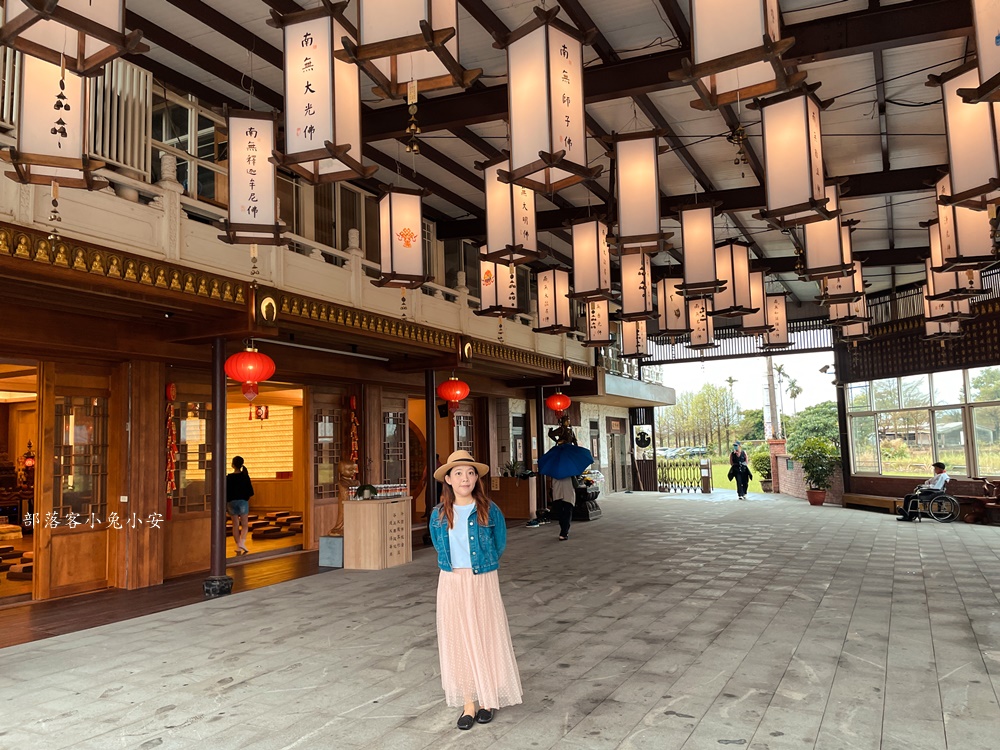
x=751, y=378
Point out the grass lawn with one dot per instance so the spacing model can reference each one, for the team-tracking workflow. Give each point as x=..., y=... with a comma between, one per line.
x=720, y=468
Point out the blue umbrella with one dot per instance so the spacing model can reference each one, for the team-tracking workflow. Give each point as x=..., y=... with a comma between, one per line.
x=566, y=460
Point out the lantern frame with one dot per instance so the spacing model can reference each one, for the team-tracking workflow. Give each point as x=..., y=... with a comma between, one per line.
x=959, y=119
x=553, y=159
x=701, y=286
x=700, y=311
x=815, y=206
x=849, y=313
x=602, y=307
x=984, y=29
x=502, y=217
x=940, y=330
x=555, y=280
x=429, y=39
x=632, y=342
x=247, y=233
x=770, y=51
x=598, y=265
x=494, y=304
x=307, y=163
x=777, y=318
x=733, y=300
x=958, y=224
x=638, y=287
x=668, y=311
x=625, y=197
x=756, y=321
x=848, y=288
x=945, y=310
x=827, y=245
x=948, y=285
x=26, y=164
x=394, y=279
x=859, y=331
x=117, y=42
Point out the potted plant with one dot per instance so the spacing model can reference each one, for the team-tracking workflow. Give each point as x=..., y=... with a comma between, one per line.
x=819, y=459
x=365, y=492
x=760, y=464
x=512, y=469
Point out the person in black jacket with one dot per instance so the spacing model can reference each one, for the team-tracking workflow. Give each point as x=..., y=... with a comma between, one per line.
x=739, y=470
x=239, y=490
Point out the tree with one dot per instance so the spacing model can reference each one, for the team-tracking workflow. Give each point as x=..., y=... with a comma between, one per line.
x=751, y=426
x=986, y=387
x=794, y=391
x=819, y=421
x=779, y=370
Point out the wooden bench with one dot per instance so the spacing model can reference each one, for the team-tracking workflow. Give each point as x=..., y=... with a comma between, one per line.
x=877, y=503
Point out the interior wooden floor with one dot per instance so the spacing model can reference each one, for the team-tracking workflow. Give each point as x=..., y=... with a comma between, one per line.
x=33, y=621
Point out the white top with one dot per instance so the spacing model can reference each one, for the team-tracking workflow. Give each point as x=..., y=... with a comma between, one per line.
x=562, y=489
x=458, y=536
x=938, y=481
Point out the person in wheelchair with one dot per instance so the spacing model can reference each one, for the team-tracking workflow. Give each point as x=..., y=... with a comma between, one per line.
x=933, y=486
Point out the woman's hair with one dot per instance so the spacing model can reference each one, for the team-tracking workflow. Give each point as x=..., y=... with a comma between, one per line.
x=238, y=464
x=478, y=494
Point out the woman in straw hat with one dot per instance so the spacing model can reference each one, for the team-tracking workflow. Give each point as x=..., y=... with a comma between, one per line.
x=469, y=534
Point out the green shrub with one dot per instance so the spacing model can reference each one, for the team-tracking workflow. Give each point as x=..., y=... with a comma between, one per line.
x=894, y=450
x=760, y=464
x=819, y=458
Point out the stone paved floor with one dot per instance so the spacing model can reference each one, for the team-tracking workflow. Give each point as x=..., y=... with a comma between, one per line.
x=672, y=622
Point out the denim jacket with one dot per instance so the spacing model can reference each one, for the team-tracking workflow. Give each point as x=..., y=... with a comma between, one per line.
x=486, y=543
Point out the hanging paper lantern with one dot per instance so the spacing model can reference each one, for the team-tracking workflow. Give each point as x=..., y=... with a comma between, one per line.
x=453, y=390
x=322, y=99
x=948, y=284
x=250, y=368
x=856, y=331
x=826, y=252
x=553, y=301
x=702, y=324
x=986, y=21
x=253, y=200
x=638, y=290
x=944, y=310
x=548, y=136
x=83, y=35
x=598, y=324
x=637, y=183
x=591, y=261
x=737, y=52
x=841, y=289
x=965, y=234
x=940, y=319
x=401, y=229
x=633, y=343
x=673, y=311
x=849, y=313
x=698, y=241
x=756, y=321
x=510, y=217
x=558, y=402
x=732, y=262
x=793, y=160
x=497, y=288
x=777, y=321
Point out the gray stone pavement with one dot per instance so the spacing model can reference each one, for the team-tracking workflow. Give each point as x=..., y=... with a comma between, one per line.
x=672, y=622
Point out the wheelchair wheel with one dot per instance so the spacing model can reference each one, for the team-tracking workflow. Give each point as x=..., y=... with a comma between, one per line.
x=943, y=508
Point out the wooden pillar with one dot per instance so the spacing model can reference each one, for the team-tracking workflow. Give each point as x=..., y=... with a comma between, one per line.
x=430, y=417
x=542, y=499
x=218, y=583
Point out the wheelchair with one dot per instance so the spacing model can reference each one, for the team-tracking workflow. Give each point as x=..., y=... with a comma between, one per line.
x=939, y=506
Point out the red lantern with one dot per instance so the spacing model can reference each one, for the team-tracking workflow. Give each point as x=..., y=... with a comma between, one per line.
x=453, y=390
x=250, y=368
x=558, y=403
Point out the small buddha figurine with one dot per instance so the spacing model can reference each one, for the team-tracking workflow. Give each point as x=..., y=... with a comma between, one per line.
x=347, y=473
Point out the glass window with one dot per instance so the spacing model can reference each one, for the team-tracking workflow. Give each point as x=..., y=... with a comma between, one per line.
x=986, y=420
x=394, y=447
x=949, y=439
x=192, y=431
x=81, y=460
x=949, y=387
x=326, y=450
x=984, y=384
x=914, y=391
x=864, y=447
x=372, y=238
x=859, y=397
x=324, y=214
x=886, y=394
x=463, y=433
x=905, y=442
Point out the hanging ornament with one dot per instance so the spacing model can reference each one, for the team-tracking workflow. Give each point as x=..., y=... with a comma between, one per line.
x=453, y=390
x=250, y=368
x=558, y=402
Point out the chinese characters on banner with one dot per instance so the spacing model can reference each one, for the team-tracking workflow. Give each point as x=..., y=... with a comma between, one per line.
x=591, y=260
x=72, y=520
x=308, y=85
x=597, y=322
x=251, y=174
x=553, y=300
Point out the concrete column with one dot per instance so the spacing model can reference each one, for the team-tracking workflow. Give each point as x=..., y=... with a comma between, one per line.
x=218, y=583
x=776, y=448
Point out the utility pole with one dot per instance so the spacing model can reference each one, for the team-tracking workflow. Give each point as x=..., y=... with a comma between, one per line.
x=772, y=401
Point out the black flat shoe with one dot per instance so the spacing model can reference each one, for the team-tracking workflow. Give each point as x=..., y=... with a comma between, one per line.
x=485, y=715
x=465, y=721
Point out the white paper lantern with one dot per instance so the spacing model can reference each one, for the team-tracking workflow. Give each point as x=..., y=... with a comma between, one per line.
x=756, y=321
x=950, y=329
x=856, y=331
x=637, y=184
x=986, y=21
x=591, y=261
x=944, y=285
x=842, y=289
x=732, y=261
x=673, y=311
x=737, y=52
x=83, y=34
x=401, y=239
x=966, y=238
x=510, y=218
x=52, y=132
x=253, y=204
x=497, y=287
x=777, y=321
x=698, y=247
x=827, y=244
x=548, y=137
x=943, y=310
x=637, y=287
x=702, y=325
x=598, y=325
x=633, y=342
x=793, y=160
x=553, y=301
x=322, y=100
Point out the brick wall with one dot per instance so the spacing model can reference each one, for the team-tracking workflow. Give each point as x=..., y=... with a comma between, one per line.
x=793, y=482
x=900, y=486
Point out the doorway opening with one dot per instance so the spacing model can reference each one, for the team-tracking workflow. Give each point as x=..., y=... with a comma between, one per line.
x=18, y=442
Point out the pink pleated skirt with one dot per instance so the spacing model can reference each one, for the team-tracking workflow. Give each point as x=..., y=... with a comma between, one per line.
x=477, y=656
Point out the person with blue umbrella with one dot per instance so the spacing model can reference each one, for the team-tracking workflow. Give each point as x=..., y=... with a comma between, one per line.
x=562, y=464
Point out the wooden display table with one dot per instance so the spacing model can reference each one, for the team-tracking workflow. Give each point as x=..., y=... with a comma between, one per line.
x=377, y=533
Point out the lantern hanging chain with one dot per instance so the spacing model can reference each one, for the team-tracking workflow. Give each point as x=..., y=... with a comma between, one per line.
x=402, y=302
x=54, y=216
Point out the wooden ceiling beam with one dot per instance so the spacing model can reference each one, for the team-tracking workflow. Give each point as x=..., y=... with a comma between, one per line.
x=222, y=23
x=415, y=177
x=487, y=19
x=283, y=6
x=181, y=83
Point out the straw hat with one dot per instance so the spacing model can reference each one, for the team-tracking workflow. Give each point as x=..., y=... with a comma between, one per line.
x=458, y=458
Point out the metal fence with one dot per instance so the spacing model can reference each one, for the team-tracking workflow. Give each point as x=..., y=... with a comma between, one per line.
x=680, y=475
x=809, y=335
